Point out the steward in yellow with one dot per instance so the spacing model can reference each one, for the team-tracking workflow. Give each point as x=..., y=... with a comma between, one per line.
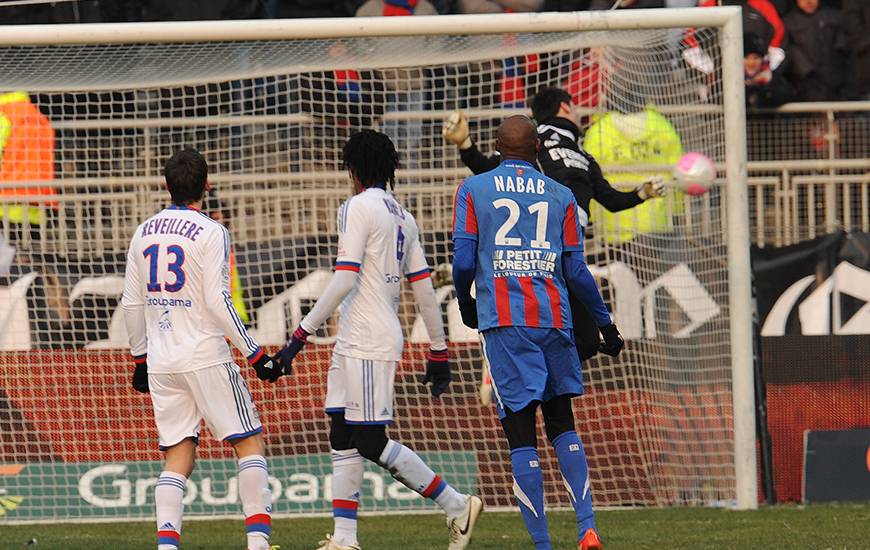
x=646, y=137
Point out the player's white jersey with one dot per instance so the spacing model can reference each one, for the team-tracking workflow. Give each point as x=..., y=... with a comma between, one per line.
x=379, y=239
x=177, y=299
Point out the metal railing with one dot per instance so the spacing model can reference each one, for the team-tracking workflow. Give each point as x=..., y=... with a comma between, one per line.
x=791, y=199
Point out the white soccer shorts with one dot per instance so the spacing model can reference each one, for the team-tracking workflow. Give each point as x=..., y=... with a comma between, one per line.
x=362, y=388
x=217, y=394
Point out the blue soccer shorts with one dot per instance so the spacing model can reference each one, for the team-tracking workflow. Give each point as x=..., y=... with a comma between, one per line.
x=531, y=364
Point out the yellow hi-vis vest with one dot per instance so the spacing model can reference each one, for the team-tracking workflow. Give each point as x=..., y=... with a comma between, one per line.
x=236, y=291
x=639, y=138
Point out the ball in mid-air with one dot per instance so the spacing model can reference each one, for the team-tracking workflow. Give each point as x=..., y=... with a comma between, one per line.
x=694, y=173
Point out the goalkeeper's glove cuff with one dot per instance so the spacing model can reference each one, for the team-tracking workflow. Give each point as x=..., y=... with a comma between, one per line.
x=466, y=144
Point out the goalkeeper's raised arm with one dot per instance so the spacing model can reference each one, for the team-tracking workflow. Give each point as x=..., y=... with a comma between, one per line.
x=559, y=156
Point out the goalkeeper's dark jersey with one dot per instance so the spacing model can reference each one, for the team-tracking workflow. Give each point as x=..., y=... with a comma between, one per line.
x=562, y=159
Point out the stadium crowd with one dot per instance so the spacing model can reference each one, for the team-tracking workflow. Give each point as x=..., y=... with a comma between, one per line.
x=796, y=50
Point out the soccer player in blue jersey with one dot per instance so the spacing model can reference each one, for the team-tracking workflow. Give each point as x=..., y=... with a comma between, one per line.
x=517, y=238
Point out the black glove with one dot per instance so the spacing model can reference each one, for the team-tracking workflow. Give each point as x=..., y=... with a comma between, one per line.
x=437, y=372
x=468, y=310
x=294, y=346
x=140, y=374
x=587, y=339
x=613, y=342
x=265, y=367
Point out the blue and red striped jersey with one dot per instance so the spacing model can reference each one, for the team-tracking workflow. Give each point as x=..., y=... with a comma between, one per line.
x=522, y=222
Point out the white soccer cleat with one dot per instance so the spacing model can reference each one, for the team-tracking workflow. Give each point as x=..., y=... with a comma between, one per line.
x=461, y=527
x=330, y=544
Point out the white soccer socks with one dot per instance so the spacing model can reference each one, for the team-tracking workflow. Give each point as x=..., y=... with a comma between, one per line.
x=256, y=497
x=167, y=498
x=408, y=468
x=347, y=477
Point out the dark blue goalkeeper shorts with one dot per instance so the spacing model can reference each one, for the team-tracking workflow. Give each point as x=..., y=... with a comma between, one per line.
x=531, y=364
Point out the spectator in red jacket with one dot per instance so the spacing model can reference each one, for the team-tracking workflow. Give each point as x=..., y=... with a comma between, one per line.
x=818, y=51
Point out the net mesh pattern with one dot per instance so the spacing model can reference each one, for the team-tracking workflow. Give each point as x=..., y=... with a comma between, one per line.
x=271, y=118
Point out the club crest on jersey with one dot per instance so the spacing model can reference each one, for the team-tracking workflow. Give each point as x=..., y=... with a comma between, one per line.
x=165, y=322
x=520, y=171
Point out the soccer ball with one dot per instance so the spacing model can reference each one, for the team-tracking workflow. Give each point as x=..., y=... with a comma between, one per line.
x=694, y=173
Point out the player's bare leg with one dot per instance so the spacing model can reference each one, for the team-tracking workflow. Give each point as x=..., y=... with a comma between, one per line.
x=169, y=492
x=254, y=490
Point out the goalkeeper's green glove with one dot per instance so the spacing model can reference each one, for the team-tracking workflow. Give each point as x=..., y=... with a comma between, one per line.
x=293, y=347
x=651, y=188
x=437, y=371
x=613, y=342
x=140, y=373
x=455, y=130
x=265, y=367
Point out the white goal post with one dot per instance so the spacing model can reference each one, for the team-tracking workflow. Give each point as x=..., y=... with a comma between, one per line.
x=252, y=94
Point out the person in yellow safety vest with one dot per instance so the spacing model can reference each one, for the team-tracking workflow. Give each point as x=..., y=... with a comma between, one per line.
x=26, y=155
x=647, y=137
x=236, y=291
x=213, y=208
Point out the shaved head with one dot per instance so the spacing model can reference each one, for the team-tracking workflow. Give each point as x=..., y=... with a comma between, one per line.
x=518, y=138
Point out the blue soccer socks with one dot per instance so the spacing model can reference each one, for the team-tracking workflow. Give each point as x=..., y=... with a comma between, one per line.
x=529, y=490
x=575, y=472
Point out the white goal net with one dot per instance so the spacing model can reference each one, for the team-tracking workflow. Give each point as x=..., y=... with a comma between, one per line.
x=271, y=117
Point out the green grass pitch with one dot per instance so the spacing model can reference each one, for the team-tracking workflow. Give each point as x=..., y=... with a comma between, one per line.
x=787, y=527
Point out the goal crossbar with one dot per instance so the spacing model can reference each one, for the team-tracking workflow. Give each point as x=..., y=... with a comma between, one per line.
x=292, y=29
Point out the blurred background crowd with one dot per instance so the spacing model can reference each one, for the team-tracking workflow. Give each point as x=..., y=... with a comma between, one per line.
x=796, y=50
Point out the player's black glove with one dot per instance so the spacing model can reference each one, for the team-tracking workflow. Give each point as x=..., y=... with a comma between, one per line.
x=140, y=374
x=468, y=310
x=265, y=367
x=294, y=346
x=437, y=372
x=613, y=342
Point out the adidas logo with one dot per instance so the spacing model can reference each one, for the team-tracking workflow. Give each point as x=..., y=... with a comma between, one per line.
x=167, y=527
x=385, y=412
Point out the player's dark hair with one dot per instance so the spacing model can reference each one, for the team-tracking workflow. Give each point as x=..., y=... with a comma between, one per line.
x=546, y=103
x=372, y=158
x=186, y=173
